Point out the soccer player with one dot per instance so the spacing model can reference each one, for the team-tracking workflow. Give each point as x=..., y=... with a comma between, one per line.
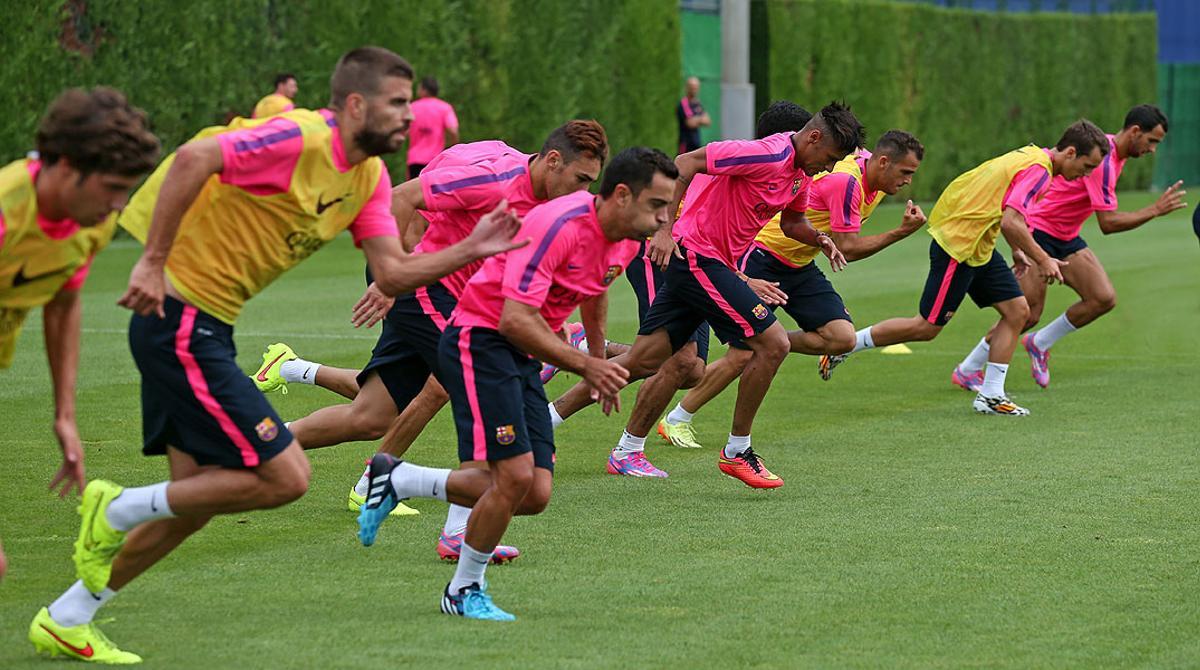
x=739, y=186
x=1056, y=222
x=231, y=211
x=57, y=211
x=281, y=100
x=691, y=116
x=839, y=202
x=975, y=208
x=462, y=185
x=434, y=127
x=505, y=321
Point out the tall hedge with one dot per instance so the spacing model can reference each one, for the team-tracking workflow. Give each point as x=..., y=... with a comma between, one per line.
x=969, y=84
x=514, y=69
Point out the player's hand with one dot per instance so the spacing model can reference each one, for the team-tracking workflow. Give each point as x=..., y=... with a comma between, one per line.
x=494, y=232
x=70, y=475
x=912, y=220
x=661, y=247
x=1170, y=200
x=1051, y=270
x=371, y=308
x=768, y=291
x=1021, y=264
x=147, y=286
x=606, y=379
x=836, y=260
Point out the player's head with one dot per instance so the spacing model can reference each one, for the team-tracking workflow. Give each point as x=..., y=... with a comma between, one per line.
x=285, y=84
x=897, y=156
x=371, y=87
x=94, y=146
x=827, y=138
x=692, y=86
x=428, y=88
x=1146, y=126
x=1082, y=147
x=637, y=189
x=573, y=153
x=783, y=116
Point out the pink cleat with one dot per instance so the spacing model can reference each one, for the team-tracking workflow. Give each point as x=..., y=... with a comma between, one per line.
x=633, y=464
x=1039, y=361
x=450, y=547
x=576, y=337
x=971, y=381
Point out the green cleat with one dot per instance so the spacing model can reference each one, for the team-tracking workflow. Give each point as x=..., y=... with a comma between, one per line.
x=83, y=643
x=98, y=542
x=268, y=378
x=356, y=501
x=679, y=434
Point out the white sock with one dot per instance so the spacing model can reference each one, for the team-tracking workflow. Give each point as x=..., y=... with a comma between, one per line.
x=456, y=520
x=77, y=605
x=978, y=357
x=993, y=380
x=555, y=419
x=138, y=505
x=471, y=565
x=679, y=415
x=415, y=481
x=1046, y=337
x=299, y=370
x=862, y=340
x=736, y=445
x=629, y=444
x=363, y=484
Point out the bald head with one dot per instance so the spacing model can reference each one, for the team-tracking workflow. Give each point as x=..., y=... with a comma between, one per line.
x=692, y=87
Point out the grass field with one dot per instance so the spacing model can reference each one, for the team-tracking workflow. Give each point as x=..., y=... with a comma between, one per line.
x=911, y=533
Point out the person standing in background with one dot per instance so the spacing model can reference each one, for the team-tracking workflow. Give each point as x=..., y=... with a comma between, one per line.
x=692, y=117
x=281, y=100
x=434, y=127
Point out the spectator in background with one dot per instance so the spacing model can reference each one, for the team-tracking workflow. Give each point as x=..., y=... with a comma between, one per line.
x=434, y=127
x=692, y=117
x=281, y=100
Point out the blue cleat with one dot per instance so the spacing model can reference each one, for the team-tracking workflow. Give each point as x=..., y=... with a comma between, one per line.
x=473, y=602
x=381, y=497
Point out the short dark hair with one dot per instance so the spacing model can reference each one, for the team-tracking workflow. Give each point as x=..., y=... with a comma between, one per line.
x=635, y=167
x=1146, y=117
x=283, y=77
x=896, y=144
x=840, y=125
x=782, y=116
x=362, y=70
x=578, y=138
x=1084, y=136
x=430, y=84
x=97, y=131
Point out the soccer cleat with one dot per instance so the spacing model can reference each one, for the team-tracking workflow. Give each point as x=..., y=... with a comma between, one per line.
x=971, y=381
x=98, y=542
x=268, y=377
x=679, y=434
x=749, y=468
x=473, y=602
x=1039, y=360
x=84, y=642
x=450, y=547
x=826, y=364
x=381, y=497
x=576, y=337
x=633, y=464
x=356, y=501
x=999, y=405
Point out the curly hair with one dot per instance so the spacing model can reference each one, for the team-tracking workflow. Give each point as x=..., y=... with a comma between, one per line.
x=576, y=138
x=97, y=131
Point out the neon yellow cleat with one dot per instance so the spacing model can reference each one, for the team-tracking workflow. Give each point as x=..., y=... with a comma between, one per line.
x=356, y=502
x=83, y=643
x=268, y=378
x=679, y=434
x=98, y=542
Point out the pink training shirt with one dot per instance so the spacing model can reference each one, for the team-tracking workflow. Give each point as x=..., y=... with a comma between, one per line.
x=838, y=193
x=1026, y=188
x=567, y=261
x=464, y=183
x=1068, y=204
x=427, y=134
x=752, y=181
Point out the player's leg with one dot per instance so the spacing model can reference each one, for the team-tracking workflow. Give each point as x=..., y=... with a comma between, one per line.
x=1083, y=273
x=282, y=366
x=644, y=358
x=969, y=373
x=676, y=427
x=628, y=456
x=738, y=459
x=367, y=417
x=995, y=285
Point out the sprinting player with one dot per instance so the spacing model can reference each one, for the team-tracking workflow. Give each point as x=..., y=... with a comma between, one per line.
x=506, y=320
x=57, y=211
x=280, y=100
x=463, y=184
x=1056, y=222
x=234, y=210
x=974, y=209
x=839, y=202
x=739, y=187
x=434, y=127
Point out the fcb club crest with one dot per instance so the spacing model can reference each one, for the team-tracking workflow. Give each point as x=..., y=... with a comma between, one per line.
x=760, y=312
x=506, y=435
x=613, y=272
x=795, y=187
x=267, y=429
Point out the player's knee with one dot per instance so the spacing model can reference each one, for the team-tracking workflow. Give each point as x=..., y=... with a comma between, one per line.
x=1105, y=302
x=535, y=502
x=841, y=341
x=290, y=484
x=926, y=331
x=368, y=425
x=694, y=374
x=515, y=485
x=773, y=344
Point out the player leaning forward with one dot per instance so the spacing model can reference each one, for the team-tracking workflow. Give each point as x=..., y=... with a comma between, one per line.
x=232, y=210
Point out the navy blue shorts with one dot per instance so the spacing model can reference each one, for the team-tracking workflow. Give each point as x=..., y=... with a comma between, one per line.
x=407, y=350
x=1057, y=248
x=195, y=397
x=699, y=289
x=500, y=407
x=647, y=280
x=812, y=300
x=950, y=281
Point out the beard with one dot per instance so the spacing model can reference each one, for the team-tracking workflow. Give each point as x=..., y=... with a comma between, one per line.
x=375, y=143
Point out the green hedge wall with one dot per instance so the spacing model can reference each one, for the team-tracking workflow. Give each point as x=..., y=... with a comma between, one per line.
x=514, y=69
x=969, y=84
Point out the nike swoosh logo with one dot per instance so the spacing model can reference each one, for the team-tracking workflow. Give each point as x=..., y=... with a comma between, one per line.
x=153, y=506
x=86, y=652
x=262, y=375
x=435, y=489
x=322, y=206
x=305, y=375
x=572, y=267
x=21, y=278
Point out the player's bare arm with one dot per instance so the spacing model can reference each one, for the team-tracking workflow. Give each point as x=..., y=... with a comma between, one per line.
x=856, y=247
x=797, y=226
x=1119, y=222
x=1015, y=230
x=594, y=315
x=61, y=318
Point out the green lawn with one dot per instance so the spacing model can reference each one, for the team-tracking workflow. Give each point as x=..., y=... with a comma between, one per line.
x=911, y=533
